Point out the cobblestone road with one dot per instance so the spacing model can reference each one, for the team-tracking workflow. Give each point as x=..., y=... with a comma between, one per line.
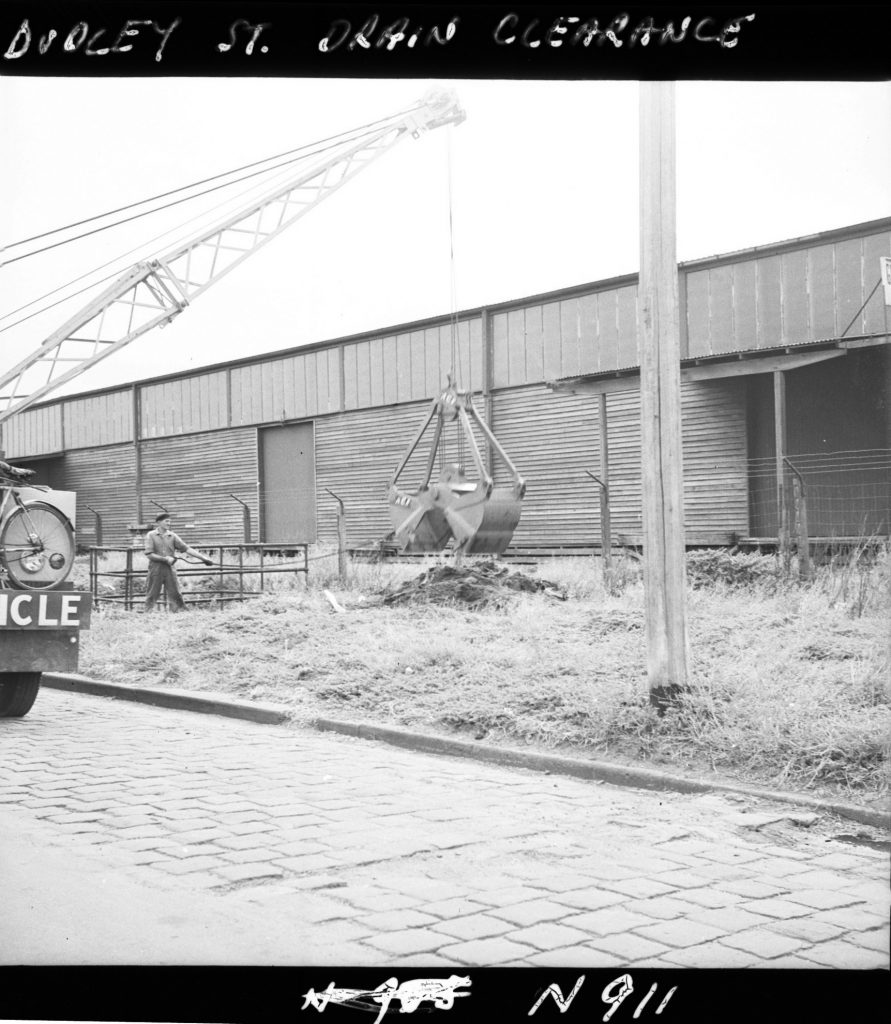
x=365, y=854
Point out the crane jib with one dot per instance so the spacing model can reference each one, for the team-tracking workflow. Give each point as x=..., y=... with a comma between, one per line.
x=152, y=292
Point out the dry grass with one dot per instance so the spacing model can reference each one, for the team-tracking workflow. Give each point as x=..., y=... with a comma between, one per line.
x=788, y=682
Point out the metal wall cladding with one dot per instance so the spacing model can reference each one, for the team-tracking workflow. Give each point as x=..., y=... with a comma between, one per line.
x=99, y=420
x=411, y=366
x=715, y=457
x=194, y=476
x=291, y=388
x=36, y=431
x=623, y=424
x=807, y=294
x=104, y=480
x=183, y=405
x=713, y=415
x=554, y=438
x=576, y=335
x=356, y=454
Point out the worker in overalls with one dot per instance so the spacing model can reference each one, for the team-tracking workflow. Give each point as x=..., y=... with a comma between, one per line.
x=162, y=546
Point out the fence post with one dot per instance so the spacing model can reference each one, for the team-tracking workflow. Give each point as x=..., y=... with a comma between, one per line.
x=803, y=541
x=341, y=537
x=245, y=518
x=128, y=581
x=97, y=532
x=606, y=554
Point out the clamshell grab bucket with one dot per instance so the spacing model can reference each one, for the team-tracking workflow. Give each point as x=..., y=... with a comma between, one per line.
x=484, y=525
x=474, y=516
x=418, y=523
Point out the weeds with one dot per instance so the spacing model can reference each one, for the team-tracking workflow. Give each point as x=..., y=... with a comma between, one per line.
x=859, y=579
x=788, y=684
x=732, y=568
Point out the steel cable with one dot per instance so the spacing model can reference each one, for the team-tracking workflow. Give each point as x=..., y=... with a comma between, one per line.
x=353, y=136
x=335, y=140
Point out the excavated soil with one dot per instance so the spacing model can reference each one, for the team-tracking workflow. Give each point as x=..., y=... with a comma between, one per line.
x=481, y=585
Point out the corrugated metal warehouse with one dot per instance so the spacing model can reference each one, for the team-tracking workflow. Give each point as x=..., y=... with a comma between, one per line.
x=799, y=326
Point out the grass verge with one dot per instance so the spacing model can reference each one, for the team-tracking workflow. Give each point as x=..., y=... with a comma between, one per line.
x=788, y=687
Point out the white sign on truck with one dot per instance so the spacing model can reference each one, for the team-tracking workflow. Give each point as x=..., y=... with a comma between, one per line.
x=54, y=610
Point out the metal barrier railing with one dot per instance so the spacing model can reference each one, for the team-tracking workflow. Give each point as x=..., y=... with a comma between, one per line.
x=223, y=581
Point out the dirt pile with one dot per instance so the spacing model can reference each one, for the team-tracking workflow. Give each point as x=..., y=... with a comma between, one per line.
x=480, y=585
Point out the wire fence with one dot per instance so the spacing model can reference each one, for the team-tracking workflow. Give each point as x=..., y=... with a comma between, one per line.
x=847, y=495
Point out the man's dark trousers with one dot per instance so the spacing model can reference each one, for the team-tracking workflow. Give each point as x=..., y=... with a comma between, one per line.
x=160, y=574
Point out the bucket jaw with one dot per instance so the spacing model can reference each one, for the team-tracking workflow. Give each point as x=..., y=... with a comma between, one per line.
x=472, y=515
x=419, y=525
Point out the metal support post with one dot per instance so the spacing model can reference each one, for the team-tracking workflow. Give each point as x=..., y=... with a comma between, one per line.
x=779, y=417
x=606, y=535
x=488, y=382
x=136, y=420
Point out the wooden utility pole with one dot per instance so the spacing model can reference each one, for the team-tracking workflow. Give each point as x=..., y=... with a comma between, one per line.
x=660, y=399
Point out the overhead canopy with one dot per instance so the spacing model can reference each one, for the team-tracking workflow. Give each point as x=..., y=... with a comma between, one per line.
x=736, y=364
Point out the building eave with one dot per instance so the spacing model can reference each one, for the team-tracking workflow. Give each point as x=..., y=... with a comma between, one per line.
x=748, y=361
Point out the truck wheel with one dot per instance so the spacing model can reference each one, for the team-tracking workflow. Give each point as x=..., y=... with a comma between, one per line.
x=18, y=691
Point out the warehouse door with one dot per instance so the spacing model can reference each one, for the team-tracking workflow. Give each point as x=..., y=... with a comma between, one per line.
x=287, y=484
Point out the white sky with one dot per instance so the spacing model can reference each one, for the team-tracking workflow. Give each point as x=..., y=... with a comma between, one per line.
x=545, y=194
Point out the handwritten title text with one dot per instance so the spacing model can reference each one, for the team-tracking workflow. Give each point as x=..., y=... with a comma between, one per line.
x=245, y=38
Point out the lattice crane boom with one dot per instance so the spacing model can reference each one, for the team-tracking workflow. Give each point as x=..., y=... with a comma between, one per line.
x=154, y=291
